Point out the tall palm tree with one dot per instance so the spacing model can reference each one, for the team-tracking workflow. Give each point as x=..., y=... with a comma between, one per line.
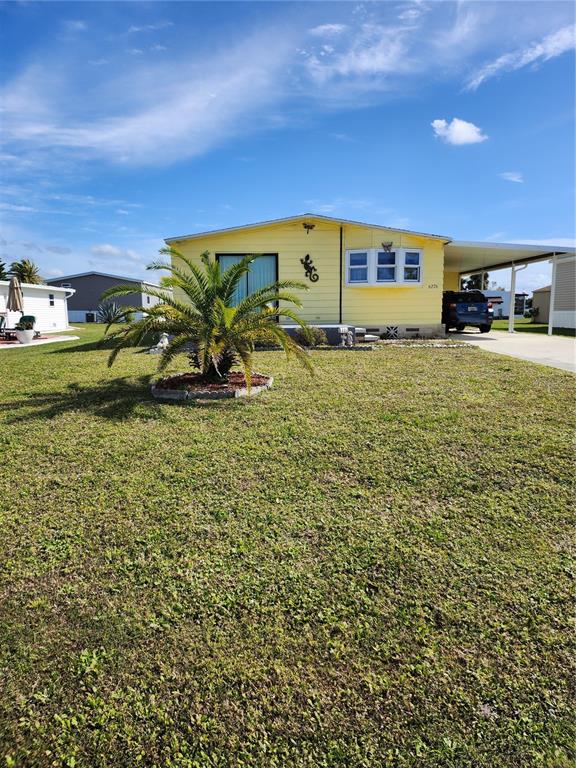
x=26, y=271
x=3, y=271
x=205, y=322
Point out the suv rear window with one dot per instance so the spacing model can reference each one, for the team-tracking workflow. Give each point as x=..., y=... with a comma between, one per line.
x=465, y=297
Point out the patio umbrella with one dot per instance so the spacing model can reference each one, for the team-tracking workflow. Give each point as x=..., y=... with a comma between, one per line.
x=15, y=301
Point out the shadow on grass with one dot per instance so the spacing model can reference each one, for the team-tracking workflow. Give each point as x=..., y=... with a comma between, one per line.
x=543, y=329
x=106, y=345
x=116, y=399
x=533, y=328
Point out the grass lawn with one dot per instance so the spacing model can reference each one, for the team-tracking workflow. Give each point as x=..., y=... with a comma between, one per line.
x=370, y=568
x=527, y=326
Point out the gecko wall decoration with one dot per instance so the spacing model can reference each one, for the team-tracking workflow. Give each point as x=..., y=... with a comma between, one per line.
x=309, y=269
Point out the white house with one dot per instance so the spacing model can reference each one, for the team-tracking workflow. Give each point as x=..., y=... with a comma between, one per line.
x=47, y=303
x=501, y=301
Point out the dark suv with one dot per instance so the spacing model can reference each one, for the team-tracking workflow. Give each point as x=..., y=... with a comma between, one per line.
x=462, y=308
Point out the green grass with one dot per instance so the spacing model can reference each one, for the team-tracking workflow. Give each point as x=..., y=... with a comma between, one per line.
x=370, y=568
x=527, y=326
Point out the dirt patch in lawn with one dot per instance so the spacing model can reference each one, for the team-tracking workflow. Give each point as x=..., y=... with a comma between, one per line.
x=195, y=381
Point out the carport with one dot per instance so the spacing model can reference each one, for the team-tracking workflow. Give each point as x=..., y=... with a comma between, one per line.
x=471, y=258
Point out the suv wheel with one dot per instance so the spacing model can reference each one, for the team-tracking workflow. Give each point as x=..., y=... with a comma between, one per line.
x=485, y=328
x=460, y=327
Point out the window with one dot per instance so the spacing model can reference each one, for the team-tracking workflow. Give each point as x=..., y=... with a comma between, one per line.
x=358, y=267
x=386, y=266
x=372, y=266
x=412, y=266
x=147, y=299
x=51, y=299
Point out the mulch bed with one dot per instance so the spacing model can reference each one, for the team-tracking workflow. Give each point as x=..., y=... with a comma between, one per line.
x=195, y=381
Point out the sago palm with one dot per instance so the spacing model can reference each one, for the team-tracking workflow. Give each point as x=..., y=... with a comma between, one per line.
x=201, y=318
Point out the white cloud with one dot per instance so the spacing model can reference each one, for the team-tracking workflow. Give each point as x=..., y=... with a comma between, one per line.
x=371, y=52
x=151, y=27
x=414, y=12
x=61, y=250
x=339, y=204
x=75, y=25
x=114, y=252
x=458, y=132
x=549, y=47
x=151, y=113
x=515, y=176
x=16, y=208
x=328, y=30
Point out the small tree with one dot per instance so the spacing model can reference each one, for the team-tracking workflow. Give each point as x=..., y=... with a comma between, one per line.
x=478, y=282
x=26, y=271
x=3, y=271
x=206, y=323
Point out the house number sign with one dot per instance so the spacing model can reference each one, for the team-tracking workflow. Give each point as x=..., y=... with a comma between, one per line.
x=310, y=270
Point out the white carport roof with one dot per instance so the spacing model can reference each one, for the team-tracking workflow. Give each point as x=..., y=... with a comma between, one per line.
x=468, y=257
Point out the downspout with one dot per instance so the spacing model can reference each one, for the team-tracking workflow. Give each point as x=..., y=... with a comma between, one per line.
x=552, y=296
x=341, y=277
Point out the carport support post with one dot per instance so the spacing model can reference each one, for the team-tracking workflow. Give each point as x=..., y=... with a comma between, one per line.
x=512, y=306
x=552, y=296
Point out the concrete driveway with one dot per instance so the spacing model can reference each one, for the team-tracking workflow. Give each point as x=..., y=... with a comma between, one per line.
x=555, y=351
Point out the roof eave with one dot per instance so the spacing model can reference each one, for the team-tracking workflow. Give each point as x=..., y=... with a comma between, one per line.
x=332, y=219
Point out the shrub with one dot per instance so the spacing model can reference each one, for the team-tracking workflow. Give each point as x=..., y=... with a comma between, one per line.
x=310, y=337
x=110, y=313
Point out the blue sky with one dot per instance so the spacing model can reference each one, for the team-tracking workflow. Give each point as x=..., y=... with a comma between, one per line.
x=124, y=123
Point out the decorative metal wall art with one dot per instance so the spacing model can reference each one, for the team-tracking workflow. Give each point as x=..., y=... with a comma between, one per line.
x=308, y=227
x=310, y=270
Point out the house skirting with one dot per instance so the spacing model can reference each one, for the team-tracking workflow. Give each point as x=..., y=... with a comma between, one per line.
x=401, y=331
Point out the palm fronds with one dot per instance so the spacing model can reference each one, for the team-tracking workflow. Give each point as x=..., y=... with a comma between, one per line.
x=201, y=319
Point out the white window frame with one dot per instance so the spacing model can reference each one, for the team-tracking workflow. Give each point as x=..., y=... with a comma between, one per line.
x=349, y=266
x=408, y=266
x=400, y=266
x=397, y=258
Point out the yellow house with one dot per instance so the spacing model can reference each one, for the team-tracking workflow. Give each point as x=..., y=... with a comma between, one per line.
x=380, y=278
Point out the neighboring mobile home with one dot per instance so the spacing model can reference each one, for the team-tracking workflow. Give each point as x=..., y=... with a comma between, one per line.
x=380, y=278
x=48, y=304
x=563, y=293
x=88, y=288
x=541, y=303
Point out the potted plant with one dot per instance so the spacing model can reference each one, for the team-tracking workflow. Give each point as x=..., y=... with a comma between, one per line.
x=24, y=332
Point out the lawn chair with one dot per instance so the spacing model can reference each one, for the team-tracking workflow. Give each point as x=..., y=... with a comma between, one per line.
x=30, y=319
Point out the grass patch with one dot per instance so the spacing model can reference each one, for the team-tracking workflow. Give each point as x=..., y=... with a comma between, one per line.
x=368, y=568
x=524, y=325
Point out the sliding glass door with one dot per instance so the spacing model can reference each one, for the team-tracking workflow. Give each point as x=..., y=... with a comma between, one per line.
x=263, y=271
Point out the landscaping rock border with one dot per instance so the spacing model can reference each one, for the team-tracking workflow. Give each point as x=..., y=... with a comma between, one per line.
x=183, y=395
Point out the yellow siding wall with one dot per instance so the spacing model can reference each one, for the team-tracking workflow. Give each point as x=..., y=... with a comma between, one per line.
x=361, y=305
x=401, y=304
x=451, y=281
